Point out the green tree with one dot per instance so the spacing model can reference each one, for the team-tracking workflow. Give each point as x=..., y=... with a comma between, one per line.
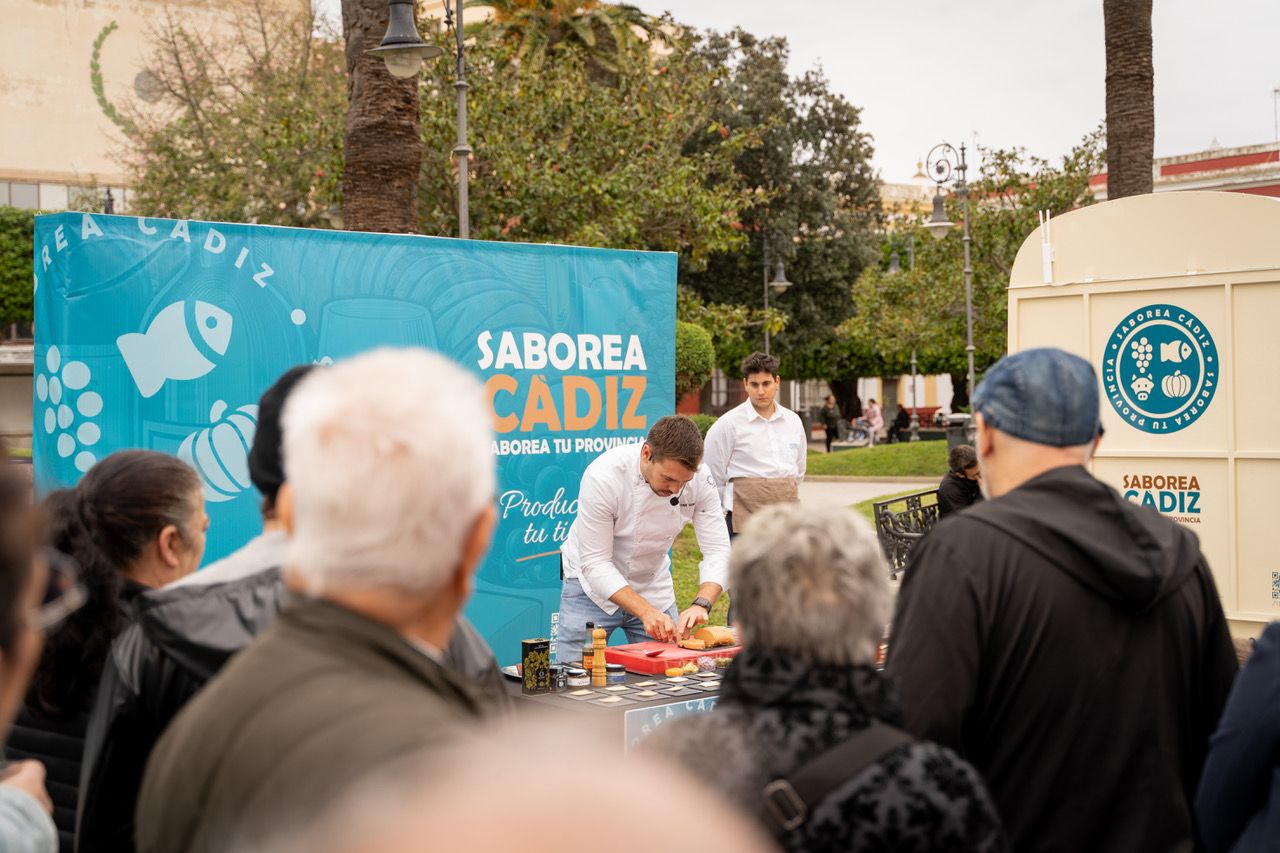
x=561, y=158
x=250, y=123
x=815, y=202
x=922, y=308
x=608, y=35
x=695, y=357
x=17, y=237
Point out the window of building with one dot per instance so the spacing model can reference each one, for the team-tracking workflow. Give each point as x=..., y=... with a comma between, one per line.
x=53, y=196
x=4, y=192
x=24, y=195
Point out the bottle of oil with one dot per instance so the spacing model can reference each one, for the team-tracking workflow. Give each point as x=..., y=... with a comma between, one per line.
x=587, y=647
x=599, y=674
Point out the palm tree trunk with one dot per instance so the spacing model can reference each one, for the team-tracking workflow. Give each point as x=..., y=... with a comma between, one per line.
x=383, y=144
x=1131, y=121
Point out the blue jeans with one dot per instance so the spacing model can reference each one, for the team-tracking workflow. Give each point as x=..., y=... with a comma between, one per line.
x=576, y=610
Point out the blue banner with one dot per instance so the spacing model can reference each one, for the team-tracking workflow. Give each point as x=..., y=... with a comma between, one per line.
x=162, y=334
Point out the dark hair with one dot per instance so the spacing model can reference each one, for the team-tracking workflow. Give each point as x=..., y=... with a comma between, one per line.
x=17, y=539
x=105, y=523
x=676, y=437
x=962, y=458
x=758, y=362
x=266, y=461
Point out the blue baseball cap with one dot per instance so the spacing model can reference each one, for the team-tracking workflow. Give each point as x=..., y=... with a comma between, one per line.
x=1045, y=396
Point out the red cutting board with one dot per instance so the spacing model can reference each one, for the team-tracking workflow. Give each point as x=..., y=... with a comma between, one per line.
x=632, y=656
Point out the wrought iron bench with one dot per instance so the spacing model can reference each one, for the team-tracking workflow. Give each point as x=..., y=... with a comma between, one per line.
x=901, y=522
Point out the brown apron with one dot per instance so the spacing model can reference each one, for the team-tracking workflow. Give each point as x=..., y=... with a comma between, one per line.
x=752, y=494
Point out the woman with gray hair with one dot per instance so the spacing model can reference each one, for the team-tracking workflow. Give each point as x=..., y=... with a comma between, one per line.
x=804, y=698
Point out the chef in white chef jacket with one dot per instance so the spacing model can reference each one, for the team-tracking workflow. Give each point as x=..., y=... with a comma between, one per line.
x=633, y=502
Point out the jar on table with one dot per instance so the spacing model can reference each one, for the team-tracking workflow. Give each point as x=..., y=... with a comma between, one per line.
x=615, y=673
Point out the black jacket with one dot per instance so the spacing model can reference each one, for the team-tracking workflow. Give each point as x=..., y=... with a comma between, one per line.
x=1071, y=645
x=776, y=713
x=956, y=492
x=57, y=742
x=180, y=638
x=56, y=739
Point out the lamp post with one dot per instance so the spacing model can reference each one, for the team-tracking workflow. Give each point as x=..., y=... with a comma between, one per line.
x=403, y=50
x=946, y=165
x=778, y=283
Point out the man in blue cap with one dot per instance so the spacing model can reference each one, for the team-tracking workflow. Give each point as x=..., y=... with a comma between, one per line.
x=1068, y=643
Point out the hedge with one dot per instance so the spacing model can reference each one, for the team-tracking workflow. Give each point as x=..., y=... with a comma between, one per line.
x=17, y=238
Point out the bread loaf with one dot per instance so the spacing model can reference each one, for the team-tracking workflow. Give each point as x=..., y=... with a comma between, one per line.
x=696, y=645
x=714, y=635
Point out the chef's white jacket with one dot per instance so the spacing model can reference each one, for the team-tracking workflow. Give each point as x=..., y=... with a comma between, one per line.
x=624, y=531
x=743, y=444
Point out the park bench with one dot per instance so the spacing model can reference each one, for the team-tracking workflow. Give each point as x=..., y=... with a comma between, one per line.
x=901, y=522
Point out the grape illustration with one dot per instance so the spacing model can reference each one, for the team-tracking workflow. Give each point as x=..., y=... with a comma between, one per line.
x=1142, y=350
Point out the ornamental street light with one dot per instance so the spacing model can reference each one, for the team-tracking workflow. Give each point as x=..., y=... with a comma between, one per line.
x=948, y=166
x=778, y=282
x=403, y=51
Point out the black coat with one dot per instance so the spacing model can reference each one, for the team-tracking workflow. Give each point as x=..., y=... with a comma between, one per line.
x=56, y=739
x=1070, y=645
x=180, y=639
x=956, y=492
x=776, y=714
x=57, y=742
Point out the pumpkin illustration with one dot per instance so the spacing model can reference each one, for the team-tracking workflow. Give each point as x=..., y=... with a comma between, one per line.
x=220, y=451
x=1176, y=386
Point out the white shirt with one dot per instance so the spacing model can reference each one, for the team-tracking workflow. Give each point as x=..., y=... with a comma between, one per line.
x=624, y=531
x=743, y=444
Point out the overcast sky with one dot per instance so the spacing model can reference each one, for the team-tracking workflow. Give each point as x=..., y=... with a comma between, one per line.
x=1016, y=72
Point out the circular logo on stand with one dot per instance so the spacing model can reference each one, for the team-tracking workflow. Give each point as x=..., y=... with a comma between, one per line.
x=1160, y=368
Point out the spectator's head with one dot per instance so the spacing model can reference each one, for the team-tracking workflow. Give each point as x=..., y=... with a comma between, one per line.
x=810, y=584
x=760, y=379
x=23, y=581
x=266, y=463
x=671, y=454
x=871, y=401
x=1035, y=410
x=449, y=797
x=136, y=514
x=389, y=485
x=831, y=399
x=963, y=461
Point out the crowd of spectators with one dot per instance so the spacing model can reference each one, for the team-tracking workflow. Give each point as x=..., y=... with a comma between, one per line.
x=1059, y=671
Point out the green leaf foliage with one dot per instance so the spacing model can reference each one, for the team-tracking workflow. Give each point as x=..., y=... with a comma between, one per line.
x=815, y=201
x=561, y=157
x=703, y=422
x=695, y=357
x=250, y=124
x=922, y=308
x=17, y=237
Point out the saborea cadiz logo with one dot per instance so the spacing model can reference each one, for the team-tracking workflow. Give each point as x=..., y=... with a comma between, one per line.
x=1160, y=368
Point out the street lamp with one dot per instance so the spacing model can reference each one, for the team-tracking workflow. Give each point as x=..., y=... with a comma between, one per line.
x=403, y=51
x=778, y=282
x=946, y=165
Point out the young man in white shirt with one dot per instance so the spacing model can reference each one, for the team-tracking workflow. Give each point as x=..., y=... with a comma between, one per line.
x=633, y=502
x=757, y=441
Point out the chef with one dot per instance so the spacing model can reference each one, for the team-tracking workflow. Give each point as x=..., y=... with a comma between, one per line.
x=633, y=502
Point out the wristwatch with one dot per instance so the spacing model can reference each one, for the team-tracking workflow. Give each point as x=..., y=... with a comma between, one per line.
x=702, y=602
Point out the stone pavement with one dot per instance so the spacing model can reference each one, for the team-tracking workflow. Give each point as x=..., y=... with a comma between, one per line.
x=850, y=490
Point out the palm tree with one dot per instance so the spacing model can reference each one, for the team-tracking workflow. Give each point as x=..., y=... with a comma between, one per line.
x=383, y=143
x=606, y=33
x=1131, y=121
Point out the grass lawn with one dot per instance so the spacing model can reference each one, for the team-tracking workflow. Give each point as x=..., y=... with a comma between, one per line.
x=865, y=506
x=685, y=557
x=907, y=459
